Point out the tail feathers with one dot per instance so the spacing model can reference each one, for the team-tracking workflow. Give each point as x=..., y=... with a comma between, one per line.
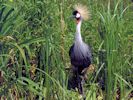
x=72, y=83
x=76, y=82
x=76, y=79
x=78, y=75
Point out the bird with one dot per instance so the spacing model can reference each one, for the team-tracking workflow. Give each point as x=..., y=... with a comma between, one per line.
x=79, y=53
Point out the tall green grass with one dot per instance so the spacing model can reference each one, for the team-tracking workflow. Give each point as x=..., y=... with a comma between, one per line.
x=35, y=37
x=114, y=33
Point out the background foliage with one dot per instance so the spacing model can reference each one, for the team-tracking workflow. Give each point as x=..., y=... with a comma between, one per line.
x=35, y=37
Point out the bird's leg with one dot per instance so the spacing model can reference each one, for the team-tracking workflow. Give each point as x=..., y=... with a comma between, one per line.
x=82, y=87
x=78, y=81
x=81, y=81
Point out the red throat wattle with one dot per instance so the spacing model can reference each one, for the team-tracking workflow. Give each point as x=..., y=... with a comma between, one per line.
x=77, y=21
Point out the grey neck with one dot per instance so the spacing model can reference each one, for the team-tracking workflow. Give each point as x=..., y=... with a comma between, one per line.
x=78, y=38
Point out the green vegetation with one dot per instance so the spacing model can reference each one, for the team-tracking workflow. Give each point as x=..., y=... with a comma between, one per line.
x=35, y=37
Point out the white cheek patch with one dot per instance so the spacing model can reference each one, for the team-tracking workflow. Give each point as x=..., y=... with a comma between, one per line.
x=77, y=15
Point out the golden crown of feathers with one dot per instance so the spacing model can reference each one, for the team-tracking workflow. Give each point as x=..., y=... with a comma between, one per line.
x=83, y=10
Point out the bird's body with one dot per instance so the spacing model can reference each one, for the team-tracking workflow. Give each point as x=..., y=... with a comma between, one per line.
x=80, y=53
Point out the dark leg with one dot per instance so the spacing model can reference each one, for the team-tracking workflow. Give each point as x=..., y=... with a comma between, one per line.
x=81, y=81
x=82, y=86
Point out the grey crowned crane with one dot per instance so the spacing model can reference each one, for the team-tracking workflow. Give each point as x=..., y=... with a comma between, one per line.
x=80, y=53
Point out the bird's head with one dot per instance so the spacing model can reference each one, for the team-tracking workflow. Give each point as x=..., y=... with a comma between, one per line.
x=80, y=13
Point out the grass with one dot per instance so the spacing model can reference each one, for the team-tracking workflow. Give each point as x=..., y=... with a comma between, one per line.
x=35, y=37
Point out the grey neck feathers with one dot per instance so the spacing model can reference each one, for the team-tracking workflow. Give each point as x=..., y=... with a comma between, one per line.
x=78, y=38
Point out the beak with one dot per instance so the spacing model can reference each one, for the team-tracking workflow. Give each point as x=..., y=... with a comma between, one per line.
x=72, y=16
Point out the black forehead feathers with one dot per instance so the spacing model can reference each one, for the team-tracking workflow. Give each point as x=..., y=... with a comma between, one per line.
x=75, y=12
